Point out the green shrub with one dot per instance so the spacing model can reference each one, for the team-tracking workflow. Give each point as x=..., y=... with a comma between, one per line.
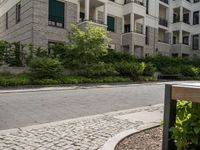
x=86, y=47
x=115, y=57
x=170, y=63
x=186, y=131
x=171, y=70
x=100, y=69
x=2, y=51
x=190, y=71
x=149, y=70
x=133, y=70
x=45, y=68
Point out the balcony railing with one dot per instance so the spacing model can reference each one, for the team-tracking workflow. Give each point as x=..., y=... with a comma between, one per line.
x=134, y=1
x=92, y=20
x=163, y=22
x=163, y=41
x=165, y=1
x=176, y=19
x=138, y=28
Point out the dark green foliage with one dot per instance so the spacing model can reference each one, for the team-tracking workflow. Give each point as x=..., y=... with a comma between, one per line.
x=171, y=70
x=45, y=68
x=2, y=51
x=100, y=69
x=115, y=57
x=133, y=70
x=12, y=53
x=162, y=62
x=190, y=71
x=149, y=70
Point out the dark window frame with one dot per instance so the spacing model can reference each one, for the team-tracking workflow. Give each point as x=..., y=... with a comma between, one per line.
x=18, y=12
x=54, y=19
x=111, y=28
x=6, y=20
x=195, y=42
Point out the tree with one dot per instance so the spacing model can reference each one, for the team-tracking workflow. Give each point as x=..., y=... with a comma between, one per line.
x=87, y=45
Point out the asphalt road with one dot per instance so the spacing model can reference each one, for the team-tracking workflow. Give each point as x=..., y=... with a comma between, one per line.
x=21, y=109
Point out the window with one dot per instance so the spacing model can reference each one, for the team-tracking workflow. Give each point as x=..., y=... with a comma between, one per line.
x=195, y=44
x=196, y=17
x=147, y=7
x=56, y=13
x=127, y=28
x=174, y=40
x=111, y=23
x=7, y=20
x=147, y=36
x=186, y=40
x=196, y=1
x=82, y=16
x=186, y=18
x=18, y=12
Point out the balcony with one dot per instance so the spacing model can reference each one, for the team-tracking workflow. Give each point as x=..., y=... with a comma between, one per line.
x=88, y=12
x=165, y=1
x=134, y=1
x=92, y=20
x=181, y=49
x=163, y=22
x=138, y=29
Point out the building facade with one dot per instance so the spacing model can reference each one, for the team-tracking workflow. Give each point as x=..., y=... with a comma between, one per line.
x=141, y=27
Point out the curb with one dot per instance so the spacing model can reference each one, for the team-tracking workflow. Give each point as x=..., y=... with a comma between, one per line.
x=73, y=87
x=113, y=141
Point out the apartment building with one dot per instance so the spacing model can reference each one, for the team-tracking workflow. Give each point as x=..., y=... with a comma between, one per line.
x=140, y=27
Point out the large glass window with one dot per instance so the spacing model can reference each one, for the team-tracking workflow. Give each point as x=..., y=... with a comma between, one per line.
x=196, y=17
x=111, y=23
x=195, y=40
x=56, y=13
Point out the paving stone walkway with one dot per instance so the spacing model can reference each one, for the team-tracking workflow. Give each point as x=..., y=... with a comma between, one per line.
x=87, y=133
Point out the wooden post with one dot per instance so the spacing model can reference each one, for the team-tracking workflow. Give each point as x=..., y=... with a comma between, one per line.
x=169, y=119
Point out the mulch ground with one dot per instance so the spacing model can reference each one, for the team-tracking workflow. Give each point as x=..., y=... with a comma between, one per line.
x=146, y=140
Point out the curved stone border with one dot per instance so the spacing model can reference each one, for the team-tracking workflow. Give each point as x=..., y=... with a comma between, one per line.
x=113, y=141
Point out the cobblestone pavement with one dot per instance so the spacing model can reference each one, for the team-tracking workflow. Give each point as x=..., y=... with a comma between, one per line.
x=87, y=133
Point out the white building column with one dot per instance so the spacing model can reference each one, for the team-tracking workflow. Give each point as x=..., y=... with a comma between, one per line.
x=181, y=14
x=132, y=22
x=105, y=13
x=87, y=10
x=172, y=35
x=180, y=37
x=96, y=14
x=191, y=17
x=144, y=25
x=78, y=11
x=123, y=24
x=190, y=39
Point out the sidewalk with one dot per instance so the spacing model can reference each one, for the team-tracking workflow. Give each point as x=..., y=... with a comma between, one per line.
x=86, y=133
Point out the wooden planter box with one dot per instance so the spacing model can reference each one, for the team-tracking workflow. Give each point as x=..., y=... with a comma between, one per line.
x=186, y=92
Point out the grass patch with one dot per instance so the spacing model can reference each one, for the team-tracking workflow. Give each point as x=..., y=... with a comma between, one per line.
x=25, y=79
